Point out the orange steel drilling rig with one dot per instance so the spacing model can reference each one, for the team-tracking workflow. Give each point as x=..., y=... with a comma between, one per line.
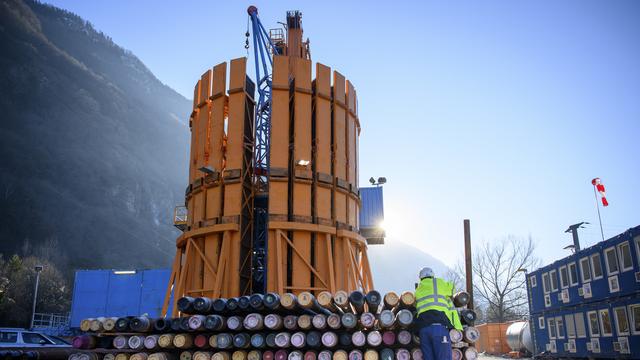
x=273, y=200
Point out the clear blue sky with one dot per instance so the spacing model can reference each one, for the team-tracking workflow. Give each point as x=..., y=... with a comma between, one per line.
x=497, y=111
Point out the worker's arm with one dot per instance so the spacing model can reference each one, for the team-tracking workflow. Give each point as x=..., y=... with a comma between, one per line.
x=457, y=324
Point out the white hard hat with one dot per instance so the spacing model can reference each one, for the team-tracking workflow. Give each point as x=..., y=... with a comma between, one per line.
x=426, y=272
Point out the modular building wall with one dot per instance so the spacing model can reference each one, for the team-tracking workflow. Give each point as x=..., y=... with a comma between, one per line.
x=117, y=293
x=588, y=304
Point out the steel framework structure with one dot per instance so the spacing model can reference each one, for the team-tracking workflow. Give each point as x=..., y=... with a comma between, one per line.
x=273, y=199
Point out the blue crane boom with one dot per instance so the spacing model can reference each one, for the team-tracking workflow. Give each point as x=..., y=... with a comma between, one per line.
x=263, y=50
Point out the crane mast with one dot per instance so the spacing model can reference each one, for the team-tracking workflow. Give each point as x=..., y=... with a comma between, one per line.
x=265, y=46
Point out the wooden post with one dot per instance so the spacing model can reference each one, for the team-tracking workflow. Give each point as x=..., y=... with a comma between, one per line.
x=467, y=261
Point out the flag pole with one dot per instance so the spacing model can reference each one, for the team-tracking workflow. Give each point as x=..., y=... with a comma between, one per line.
x=595, y=194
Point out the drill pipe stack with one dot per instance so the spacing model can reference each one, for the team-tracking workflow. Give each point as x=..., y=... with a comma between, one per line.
x=341, y=326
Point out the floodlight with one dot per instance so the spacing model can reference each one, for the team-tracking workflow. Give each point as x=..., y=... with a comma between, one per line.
x=124, y=272
x=207, y=170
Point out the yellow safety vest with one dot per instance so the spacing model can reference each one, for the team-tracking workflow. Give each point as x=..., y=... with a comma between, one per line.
x=435, y=294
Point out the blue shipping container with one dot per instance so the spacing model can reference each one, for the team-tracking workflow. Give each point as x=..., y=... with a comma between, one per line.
x=588, y=304
x=608, y=269
x=606, y=329
x=118, y=293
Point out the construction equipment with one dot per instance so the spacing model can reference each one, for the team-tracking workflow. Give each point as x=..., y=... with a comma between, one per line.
x=273, y=197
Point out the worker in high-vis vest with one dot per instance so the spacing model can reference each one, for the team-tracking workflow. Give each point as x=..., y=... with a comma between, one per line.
x=436, y=315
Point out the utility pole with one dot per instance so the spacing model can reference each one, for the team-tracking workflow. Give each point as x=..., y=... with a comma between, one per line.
x=38, y=269
x=573, y=229
x=467, y=261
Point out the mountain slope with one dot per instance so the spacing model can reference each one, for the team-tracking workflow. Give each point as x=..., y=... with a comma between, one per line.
x=395, y=265
x=94, y=147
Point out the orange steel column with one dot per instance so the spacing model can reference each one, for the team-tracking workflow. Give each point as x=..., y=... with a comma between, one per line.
x=323, y=181
x=351, y=158
x=239, y=151
x=340, y=174
x=357, y=160
x=301, y=274
x=186, y=264
x=199, y=191
x=278, y=172
x=193, y=152
x=214, y=159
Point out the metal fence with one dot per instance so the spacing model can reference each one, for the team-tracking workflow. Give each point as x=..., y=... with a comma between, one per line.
x=51, y=324
x=41, y=320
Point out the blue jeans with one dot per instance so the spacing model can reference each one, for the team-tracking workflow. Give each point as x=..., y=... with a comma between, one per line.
x=435, y=342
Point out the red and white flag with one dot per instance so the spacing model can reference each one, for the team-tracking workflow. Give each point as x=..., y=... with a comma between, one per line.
x=600, y=188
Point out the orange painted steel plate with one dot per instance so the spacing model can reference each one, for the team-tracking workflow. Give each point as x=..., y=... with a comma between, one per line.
x=235, y=156
x=194, y=139
x=279, y=145
x=339, y=125
x=215, y=156
x=323, y=118
x=339, y=145
x=301, y=273
x=279, y=164
x=351, y=154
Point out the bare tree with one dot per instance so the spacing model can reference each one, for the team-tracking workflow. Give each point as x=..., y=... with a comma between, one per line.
x=455, y=277
x=498, y=283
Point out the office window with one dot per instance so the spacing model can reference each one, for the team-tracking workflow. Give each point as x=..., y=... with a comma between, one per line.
x=551, y=326
x=564, y=277
x=594, y=326
x=611, y=260
x=560, y=327
x=596, y=266
x=634, y=315
x=573, y=274
x=622, y=322
x=624, y=254
x=553, y=275
x=585, y=270
x=581, y=331
x=571, y=326
x=614, y=284
x=605, y=321
x=636, y=240
x=546, y=284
